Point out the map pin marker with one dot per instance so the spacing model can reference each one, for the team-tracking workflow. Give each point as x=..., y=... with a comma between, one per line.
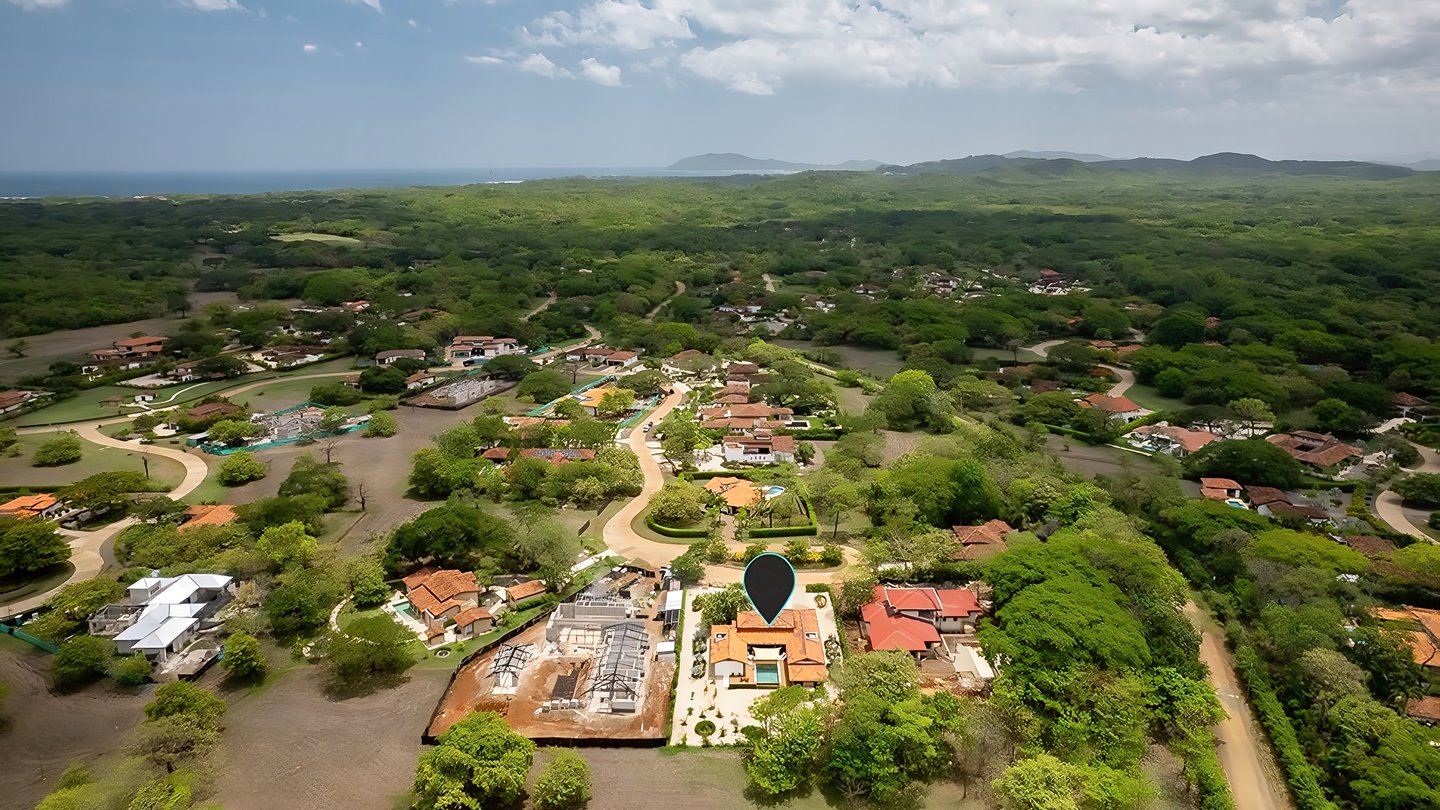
x=769, y=583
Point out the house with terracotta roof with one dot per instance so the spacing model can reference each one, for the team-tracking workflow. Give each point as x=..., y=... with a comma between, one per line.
x=1424, y=710
x=1170, y=439
x=1408, y=402
x=740, y=425
x=1220, y=489
x=690, y=362
x=470, y=348
x=1370, y=545
x=749, y=410
x=15, y=400
x=751, y=653
x=438, y=596
x=1262, y=498
x=735, y=493
x=524, y=590
x=912, y=619
x=1322, y=451
x=554, y=455
x=590, y=400
x=208, y=515
x=1115, y=407
x=983, y=541
x=420, y=379
x=1424, y=642
x=41, y=505
x=137, y=348
x=760, y=449
x=212, y=410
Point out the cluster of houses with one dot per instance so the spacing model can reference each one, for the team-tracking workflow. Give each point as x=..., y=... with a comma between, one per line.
x=447, y=605
x=1267, y=501
x=749, y=428
x=1052, y=282
x=602, y=357
x=917, y=620
x=12, y=401
x=123, y=355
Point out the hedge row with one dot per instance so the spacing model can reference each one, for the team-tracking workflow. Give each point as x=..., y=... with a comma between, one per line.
x=807, y=530
x=671, y=531
x=813, y=434
x=706, y=476
x=1299, y=773
x=1203, y=767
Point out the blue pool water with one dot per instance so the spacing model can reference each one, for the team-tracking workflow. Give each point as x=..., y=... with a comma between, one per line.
x=774, y=492
x=405, y=610
x=767, y=674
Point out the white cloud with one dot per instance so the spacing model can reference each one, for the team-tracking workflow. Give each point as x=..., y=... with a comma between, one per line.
x=540, y=65
x=484, y=60
x=595, y=71
x=37, y=5
x=1199, y=47
x=375, y=4
x=308, y=48
x=216, y=5
x=359, y=45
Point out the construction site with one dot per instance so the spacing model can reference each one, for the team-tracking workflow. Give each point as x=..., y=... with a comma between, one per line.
x=598, y=672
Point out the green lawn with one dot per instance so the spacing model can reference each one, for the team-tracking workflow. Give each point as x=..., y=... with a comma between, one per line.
x=1026, y=356
x=85, y=405
x=310, y=236
x=17, y=472
x=1147, y=397
x=14, y=591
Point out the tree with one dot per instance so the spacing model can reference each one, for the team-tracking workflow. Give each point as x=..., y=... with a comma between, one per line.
x=333, y=419
x=911, y=400
x=286, y=545
x=66, y=612
x=243, y=657
x=382, y=380
x=9, y=441
x=551, y=548
x=335, y=393
x=616, y=403
x=722, y=606
x=132, y=670
x=563, y=784
x=308, y=476
x=478, y=762
x=185, y=699
x=367, y=583
x=679, y=504
x=19, y=347
x=1421, y=489
x=28, y=546
x=81, y=660
x=168, y=742
x=455, y=535
x=381, y=425
x=783, y=759
x=510, y=367
x=833, y=495
x=1252, y=412
x=370, y=646
x=241, y=468
x=300, y=603
x=233, y=431
x=543, y=386
x=1249, y=461
x=64, y=448
x=221, y=365
x=689, y=567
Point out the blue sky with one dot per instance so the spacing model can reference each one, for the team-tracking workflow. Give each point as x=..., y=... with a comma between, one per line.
x=319, y=84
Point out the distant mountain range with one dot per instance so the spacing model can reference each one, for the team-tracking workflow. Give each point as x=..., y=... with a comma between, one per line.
x=1223, y=163
x=731, y=162
x=1080, y=156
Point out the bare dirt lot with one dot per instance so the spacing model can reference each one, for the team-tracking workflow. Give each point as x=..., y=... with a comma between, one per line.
x=290, y=746
x=45, y=732
x=473, y=691
x=1089, y=460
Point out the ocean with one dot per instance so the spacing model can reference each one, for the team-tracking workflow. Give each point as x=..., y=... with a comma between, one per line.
x=134, y=184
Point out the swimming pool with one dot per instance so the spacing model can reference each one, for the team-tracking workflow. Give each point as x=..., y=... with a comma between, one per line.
x=767, y=674
x=404, y=609
x=773, y=492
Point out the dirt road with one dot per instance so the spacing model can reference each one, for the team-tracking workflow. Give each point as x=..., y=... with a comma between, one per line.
x=1388, y=504
x=1127, y=377
x=1244, y=751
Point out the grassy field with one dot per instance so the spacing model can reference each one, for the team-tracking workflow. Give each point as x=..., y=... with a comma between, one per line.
x=17, y=472
x=327, y=238
x=1147, y=397
x=1026, y=356
x=878, y=363
x=14, y=591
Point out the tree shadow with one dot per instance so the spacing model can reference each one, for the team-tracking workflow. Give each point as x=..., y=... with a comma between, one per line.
x=341, y=689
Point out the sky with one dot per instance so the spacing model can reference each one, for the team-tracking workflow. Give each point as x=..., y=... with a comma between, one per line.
x=209, y=85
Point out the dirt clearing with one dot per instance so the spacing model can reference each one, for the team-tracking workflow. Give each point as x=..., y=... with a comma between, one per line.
x=289, y=746
x=44, y=732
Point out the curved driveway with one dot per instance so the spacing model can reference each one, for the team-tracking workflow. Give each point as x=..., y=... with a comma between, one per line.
x=621, y=537
x=1388, y=504
x=1127, y=377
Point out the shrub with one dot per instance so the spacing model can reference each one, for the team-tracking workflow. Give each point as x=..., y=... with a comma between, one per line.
x=564, y=784
x=243, y=658
x=80, y=661
x=382, y=424
x=705, y=728
x=64, y=448
x=185, y=699
x=671, y=531
x=132, y=670
x=241, y=468
x=1299, y=773
x=335, y=394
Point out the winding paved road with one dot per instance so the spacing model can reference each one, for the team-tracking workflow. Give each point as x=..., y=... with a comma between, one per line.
x=1388, y=503
x=87, y=548
x=1243, y=749
x=1127, y=377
